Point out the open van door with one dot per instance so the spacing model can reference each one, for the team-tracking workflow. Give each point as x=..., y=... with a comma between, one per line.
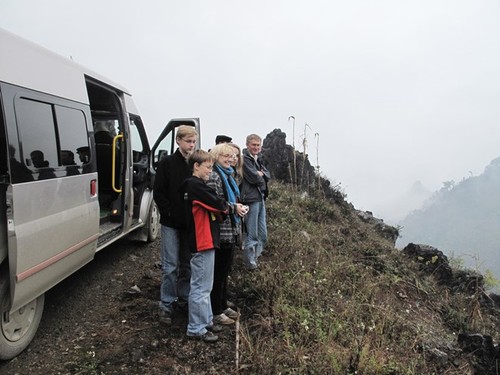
x=166, y=145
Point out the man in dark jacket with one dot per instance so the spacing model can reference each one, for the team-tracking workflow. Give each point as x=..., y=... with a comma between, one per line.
x=253, y=193
x=175, y=255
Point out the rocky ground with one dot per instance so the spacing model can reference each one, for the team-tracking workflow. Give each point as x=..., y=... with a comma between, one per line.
x=104, y=320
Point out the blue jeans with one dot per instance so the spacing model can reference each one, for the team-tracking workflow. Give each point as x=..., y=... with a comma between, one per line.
x=256, y=238
x=202, y=279
x=176, y=274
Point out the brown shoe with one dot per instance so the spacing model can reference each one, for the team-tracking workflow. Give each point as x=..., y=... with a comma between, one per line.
x=223, y=319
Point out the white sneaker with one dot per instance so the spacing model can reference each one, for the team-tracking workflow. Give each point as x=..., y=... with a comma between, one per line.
x=223, y=319
x=230, y=313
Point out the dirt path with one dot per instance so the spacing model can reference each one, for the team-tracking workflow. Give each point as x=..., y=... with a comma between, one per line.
x=103, y=320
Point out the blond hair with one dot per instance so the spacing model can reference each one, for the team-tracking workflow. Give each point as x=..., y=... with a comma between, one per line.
x=238, y=168
x=221, y=149
x=185, y=131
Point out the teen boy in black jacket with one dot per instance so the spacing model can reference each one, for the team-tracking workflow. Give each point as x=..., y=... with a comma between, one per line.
x=175, y=256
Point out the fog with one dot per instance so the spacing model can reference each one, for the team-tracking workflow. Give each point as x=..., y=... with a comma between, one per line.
x=392, y=92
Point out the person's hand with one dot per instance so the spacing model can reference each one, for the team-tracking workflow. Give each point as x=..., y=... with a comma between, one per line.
x=241, y=210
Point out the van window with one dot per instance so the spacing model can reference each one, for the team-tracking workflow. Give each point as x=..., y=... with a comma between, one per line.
x=52, y=138
x=136, y=139
x=164, y=148
x=37, y=137
x=74, y=144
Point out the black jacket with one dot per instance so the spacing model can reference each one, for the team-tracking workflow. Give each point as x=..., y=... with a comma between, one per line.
x=253, y=188
x=171, y=173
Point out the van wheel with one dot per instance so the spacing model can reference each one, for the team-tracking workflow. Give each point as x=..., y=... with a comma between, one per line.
x=154, y=222
x=19, y=327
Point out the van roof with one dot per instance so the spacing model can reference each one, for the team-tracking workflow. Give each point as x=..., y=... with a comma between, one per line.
x=27, y=64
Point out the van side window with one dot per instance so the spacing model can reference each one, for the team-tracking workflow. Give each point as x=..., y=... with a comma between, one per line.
x=138, y=139
x=166, y=147
x=53, y=139
x=73, y=139
x=37, y=135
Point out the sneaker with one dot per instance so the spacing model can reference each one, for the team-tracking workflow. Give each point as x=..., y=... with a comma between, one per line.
x=223, y=319
x=165, y=317
x=206, y=337
x=230, y=313
x=215, y=328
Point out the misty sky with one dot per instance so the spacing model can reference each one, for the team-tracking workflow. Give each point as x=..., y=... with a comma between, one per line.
x=398, y=91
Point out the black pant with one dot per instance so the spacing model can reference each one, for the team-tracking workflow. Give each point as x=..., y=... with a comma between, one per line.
x=223, y=262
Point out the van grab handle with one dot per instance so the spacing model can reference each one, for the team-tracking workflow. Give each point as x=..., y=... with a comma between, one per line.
x=113, y=169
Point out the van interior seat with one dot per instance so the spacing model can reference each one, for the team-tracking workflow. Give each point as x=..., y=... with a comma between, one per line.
x=103, y=137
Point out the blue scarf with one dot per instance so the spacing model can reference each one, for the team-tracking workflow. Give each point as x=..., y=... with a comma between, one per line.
x=231, y=187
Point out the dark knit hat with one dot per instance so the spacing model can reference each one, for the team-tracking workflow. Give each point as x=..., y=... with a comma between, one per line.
x=222, y=139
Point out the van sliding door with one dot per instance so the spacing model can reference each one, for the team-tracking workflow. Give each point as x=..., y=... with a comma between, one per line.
x=53, y=227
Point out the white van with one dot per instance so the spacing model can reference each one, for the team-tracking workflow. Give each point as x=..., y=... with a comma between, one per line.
x=76, y=174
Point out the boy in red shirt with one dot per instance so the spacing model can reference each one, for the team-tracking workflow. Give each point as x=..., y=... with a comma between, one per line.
x=203, y=209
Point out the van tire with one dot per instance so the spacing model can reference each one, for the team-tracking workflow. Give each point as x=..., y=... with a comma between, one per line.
x=17, y=333
x=153, y=222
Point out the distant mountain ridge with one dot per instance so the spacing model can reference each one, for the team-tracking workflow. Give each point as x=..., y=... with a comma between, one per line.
x=461, y=219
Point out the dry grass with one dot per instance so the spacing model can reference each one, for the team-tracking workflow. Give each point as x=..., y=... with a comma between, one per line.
x=333, y=297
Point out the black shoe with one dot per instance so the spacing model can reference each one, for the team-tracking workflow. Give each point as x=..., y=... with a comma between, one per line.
x=206, y=337
x=215, y=328
x=181, y=304
x=165, y=317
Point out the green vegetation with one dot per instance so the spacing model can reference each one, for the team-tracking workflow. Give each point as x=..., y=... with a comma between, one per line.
x=332, y=296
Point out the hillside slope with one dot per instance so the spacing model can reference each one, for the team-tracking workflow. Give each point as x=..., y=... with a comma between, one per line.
x=462, y=219
x=334, y=296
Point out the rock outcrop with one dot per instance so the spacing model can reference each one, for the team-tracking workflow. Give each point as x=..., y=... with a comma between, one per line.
x=386, y=231
x=293, y=167
x=433, y=262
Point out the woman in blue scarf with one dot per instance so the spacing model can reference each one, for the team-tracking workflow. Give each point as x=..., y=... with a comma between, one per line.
x=222, y=181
